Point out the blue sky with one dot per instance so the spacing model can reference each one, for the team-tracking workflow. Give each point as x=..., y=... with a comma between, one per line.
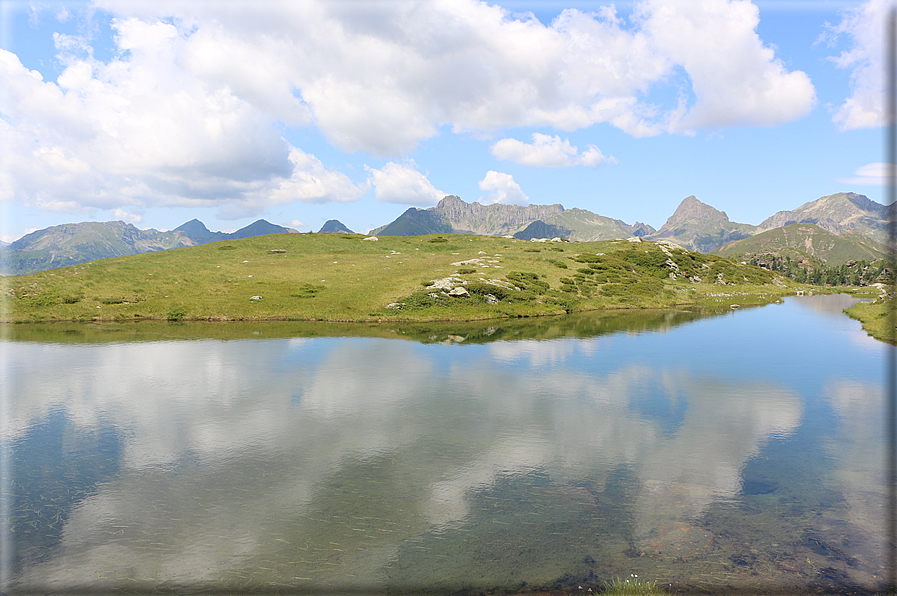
x=298, y=112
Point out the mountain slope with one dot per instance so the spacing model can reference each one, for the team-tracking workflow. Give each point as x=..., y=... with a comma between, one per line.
x=71, y=244
x=838, y=213
x=333, y=226
x=698, y=226
x=801, y=240
x=454, y=216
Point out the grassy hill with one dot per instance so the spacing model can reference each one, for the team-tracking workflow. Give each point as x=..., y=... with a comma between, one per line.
x=343, y=277
x=806, y=242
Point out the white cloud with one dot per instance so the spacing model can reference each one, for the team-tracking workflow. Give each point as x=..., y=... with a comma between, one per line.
x=736, y=79
x=502, y=189
x=864, y=25
x=873, y=174
x=403, y=184
x=122, y=215
x=296, y=224
x=381, y=76
x=189, y=110
x=548, y=151
x=142, y=131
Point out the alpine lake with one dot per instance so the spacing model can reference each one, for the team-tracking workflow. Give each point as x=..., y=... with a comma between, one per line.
x=728, y=452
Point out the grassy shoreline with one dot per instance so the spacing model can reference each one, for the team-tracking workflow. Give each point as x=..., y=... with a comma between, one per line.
x=348, y=278
x=877, y=318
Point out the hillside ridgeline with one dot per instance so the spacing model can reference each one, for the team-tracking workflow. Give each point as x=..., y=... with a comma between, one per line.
x=348, y=277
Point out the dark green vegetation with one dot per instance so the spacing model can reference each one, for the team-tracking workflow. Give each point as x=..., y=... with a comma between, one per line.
x=337, y=277
x=852, y=273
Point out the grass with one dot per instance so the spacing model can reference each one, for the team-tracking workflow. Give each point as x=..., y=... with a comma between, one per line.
x=343, y=277
x=877, y=318
x=631, y=587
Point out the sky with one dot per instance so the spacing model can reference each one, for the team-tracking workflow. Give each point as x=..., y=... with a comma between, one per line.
x=301, y=111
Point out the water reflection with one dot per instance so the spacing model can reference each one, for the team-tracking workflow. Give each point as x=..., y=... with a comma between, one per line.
x=374, y=463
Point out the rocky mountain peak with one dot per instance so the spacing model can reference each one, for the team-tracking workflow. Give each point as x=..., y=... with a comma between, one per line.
x=691, y=209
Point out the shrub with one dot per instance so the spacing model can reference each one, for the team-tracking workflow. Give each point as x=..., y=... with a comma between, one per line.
x=526, y=280
x=481, y=289
x=40, y=300
x=307, y=291
x=466, y=270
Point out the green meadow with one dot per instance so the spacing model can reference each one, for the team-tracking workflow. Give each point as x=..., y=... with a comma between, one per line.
x=877, y=317
x=344, y=277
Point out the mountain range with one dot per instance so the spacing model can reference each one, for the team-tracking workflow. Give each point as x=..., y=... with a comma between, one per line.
x=71, y=244
x=834, y=229
x=454, y=216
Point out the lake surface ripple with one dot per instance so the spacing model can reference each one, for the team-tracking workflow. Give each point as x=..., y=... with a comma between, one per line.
x=722, y=452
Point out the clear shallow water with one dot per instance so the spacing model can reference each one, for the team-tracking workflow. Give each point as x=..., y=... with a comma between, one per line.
x=741, y=452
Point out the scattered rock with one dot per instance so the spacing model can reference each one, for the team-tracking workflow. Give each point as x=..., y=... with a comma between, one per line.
x=374, y=238
x=255, y=298
x=446, y=283
x=395, y=305
x=490, y=299
x=634, y=239
x=459, y=291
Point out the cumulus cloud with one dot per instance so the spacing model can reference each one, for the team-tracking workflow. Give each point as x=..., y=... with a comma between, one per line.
x=190, y=108
x=501, y=189
x=873, y=174
x=736, y=79
x=403, y=184
x=548, y=151
x=141, y=130
x=382, y=76
x=864, y=25
x=126, y=217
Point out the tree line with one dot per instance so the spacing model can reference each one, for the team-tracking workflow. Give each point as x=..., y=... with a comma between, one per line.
x=851, y=273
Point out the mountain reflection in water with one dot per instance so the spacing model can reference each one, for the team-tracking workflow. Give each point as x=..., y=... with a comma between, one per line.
x=566, y=451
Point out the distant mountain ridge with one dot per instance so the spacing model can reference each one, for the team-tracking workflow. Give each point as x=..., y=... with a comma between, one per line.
x=858, y=225
x=838, y=213
x=333, y=226
x=804, y=242
x=698, y=226
x=72, y=244
x=454, y=216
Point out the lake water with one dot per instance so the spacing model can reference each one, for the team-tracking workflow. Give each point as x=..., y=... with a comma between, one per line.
x=729, y=452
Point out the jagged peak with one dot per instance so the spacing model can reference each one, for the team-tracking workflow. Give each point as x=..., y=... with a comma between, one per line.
x=692, y=208
x=451, y=201
x=193, y=226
